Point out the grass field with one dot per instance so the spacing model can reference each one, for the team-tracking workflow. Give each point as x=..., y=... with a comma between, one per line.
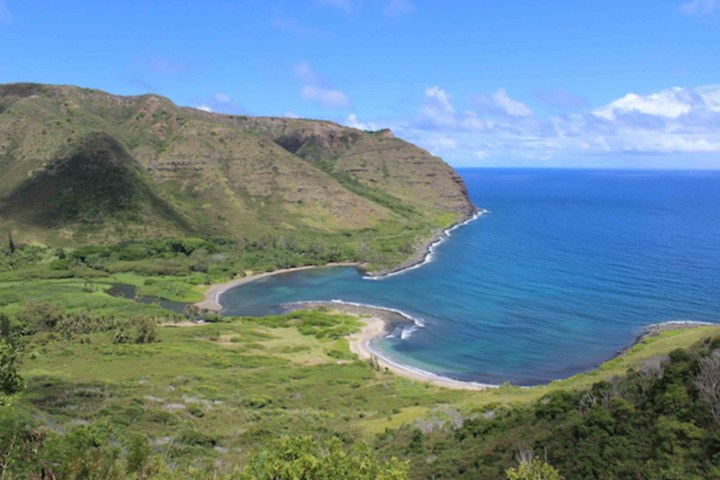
x=217, y=391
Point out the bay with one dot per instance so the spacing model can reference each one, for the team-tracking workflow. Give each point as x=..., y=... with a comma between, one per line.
x=568, y=267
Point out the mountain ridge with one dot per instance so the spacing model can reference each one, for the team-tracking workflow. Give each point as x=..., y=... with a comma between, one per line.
x=191, y=172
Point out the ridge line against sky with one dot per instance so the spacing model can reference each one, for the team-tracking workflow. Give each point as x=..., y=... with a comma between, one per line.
x=573, y=84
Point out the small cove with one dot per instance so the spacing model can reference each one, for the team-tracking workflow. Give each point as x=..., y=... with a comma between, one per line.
x=567, y=269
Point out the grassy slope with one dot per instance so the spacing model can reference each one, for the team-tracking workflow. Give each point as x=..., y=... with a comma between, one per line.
x=244, y=382
x=198, y=173
x=234, y=385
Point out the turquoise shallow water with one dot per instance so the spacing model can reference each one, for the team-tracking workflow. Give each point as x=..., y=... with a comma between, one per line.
x=566, y=269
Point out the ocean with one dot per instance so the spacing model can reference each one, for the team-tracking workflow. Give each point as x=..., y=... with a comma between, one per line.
x=565, y=269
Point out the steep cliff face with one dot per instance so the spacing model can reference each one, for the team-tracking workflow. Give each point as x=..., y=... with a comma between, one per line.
x=84, y=165
x=377, y=160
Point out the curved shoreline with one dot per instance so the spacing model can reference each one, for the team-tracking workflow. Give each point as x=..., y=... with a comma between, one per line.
x=376, y=327
x=426, y=254
x=211, y=302
x=655, y=329
x=212, y=295
x=377, y=320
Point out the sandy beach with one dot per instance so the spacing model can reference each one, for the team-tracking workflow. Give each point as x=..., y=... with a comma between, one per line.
x=377, y=322
x=376, y=327
x=422, y=256
x=212, y=294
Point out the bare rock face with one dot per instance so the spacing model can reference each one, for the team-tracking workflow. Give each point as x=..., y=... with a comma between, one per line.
x=386, y=133
x=190, y=171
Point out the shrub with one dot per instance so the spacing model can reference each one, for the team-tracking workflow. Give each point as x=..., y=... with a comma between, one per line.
x=121, y=336
x=533, y=470
x=146, y=330
x=10, y=380
x=40, y=316
x=306, y=458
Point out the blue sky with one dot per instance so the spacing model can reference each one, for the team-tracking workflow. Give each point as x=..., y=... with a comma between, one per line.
x=481, y=83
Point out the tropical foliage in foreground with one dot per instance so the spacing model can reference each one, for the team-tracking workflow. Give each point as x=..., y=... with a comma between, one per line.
x=660, y=421
x=657, y=422
x=93, y=453
x=96, y=386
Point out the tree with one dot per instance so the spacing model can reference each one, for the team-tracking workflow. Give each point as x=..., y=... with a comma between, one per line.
x=10, y=380
x=146, y=330
x=40, y=316
x=121, y=335
x=531, y=468
x=11, y=244
x=137, y=459
x=307, y=458
x=707, y=381
x=535, y=470
x=5, y=327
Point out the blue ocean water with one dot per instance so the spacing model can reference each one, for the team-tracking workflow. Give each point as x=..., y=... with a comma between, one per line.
x=566, y=269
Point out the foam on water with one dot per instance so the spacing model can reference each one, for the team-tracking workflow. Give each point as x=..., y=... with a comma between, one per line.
x=430, y=254
x=417, y=322
x=570, y=267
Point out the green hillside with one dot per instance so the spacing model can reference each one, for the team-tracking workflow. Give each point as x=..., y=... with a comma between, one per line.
x=99, y=190
x=100, y=387
x=83, y=166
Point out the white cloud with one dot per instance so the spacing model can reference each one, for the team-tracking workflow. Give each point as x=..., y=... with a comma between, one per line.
x=222, y=98
x=353, y=122
x=316, y=90
x=441, y=143
x=441, y=98
x=437, y=109
x=470, y=121
x=325, y=97
x=305, y=72
x=676, y=122
x=291, y=115
x=511, y=107
x=499, y=102
x=701, y=7
x=5, y=15
x=220, y=103
x=670, y=103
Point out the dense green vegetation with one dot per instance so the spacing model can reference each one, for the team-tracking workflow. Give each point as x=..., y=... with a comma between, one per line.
x=174, y=269
x=143, y=395
x=83, y=167
x=190, y=262
x=136, y=191
x=657, y=422
x=83, y=371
